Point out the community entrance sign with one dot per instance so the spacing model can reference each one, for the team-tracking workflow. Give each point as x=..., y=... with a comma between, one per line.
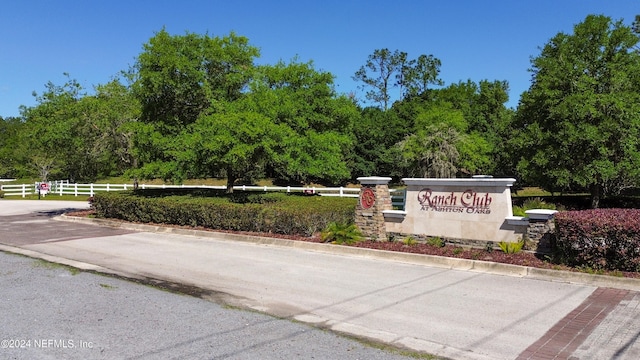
x=476, y=209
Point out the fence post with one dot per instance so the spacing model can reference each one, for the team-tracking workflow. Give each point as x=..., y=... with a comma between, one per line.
x=61, y=185
x=125, y=187
x=341, y=191
x=107, y=187
x=91, y=189
x=75, y=189
x=289, y=188
x=24, y=190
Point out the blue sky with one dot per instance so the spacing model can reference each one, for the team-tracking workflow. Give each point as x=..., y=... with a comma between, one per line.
x=475, y=39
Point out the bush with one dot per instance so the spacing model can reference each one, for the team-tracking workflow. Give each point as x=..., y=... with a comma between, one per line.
x=436, y=241
x=273, y=212
x=410, y=241
x=1, y=194
x=342, y=234
x=607, y=239
x=511, y=247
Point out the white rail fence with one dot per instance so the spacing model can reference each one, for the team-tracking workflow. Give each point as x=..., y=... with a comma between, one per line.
x=65, y=188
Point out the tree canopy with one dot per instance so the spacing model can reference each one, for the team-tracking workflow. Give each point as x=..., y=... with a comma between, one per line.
x=385, y=70
x=197, y=105
x=579, y=123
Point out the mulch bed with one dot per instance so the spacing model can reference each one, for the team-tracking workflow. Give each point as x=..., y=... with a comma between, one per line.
x=522, y=258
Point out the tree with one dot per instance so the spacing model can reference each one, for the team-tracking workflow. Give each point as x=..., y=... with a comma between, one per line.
x=319, y=124
x=412, y=76
x=440, y=145
x=579, y=122
x=483, y=107
x=383, y=64
x=12, y=154
x=80, y=137
x=178, y=80
x=375, y=136
x=420, y=73
x=179, y=77
x=431, y=152
x=235, y=142
x=108, y=119
x=54, y=132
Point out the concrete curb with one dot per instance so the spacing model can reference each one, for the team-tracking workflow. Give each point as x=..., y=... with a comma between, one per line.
x=419, y=259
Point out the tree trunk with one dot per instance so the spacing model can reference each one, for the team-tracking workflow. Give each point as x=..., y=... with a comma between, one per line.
x=135, y=177
x=596, y=194
x=231, y=180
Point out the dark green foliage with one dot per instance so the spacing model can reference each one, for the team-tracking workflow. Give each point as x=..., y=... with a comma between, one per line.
x=273, y=212
x=13, y=156
x=602, y=239
x=436, y=241
x=312, y=126
x=342, y=234
x=578, y=125
x=385, y=70
x=460, y=128
x=376, y=134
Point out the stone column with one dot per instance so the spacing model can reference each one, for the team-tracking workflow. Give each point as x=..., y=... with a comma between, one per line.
x=541, y=229
x=374, y=198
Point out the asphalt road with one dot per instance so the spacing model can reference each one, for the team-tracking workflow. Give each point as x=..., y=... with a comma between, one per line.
x=51, y=312
x=458, y=309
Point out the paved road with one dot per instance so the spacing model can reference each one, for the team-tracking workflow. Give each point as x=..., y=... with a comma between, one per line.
x=49, y=312
x=460, y=314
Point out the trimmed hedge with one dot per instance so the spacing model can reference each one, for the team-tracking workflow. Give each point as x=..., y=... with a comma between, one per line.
x=272, y=212
x=603, y=239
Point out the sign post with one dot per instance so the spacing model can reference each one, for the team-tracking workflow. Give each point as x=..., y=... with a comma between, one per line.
x=43, y=188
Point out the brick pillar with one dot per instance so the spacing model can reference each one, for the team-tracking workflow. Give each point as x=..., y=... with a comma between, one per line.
x=374, y=198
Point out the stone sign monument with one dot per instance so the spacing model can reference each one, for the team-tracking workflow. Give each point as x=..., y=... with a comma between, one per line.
x=476, y=209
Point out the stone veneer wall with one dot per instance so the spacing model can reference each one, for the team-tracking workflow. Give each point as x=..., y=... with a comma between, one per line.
x=541, y=230
x=538, y=231
x=371, y=221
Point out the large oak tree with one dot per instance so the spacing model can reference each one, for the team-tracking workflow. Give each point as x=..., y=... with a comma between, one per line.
x=579, y=122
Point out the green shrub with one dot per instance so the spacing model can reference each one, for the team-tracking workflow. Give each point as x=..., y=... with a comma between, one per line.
x=511, y=247
x=409, y=241
x=257, y=212
x=347, y=234
x=436, y=241
x=1, y=194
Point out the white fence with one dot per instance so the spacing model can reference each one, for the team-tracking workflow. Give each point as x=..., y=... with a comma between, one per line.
x=62, y=188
